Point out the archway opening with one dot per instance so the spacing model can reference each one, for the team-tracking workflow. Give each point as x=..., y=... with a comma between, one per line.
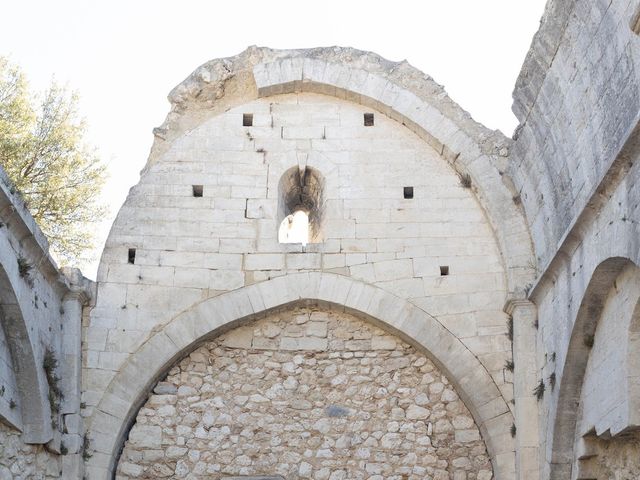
x=305, y=392
x=295, y=228
x=300, y=206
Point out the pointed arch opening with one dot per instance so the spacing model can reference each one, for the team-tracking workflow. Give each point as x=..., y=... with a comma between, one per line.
x=300, y=206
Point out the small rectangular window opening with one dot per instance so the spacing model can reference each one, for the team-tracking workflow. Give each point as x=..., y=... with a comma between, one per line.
x=408, y=192
x=247, y=119
x=368, y=119
x=197, y=190
x=444, y=270
x=132, y=255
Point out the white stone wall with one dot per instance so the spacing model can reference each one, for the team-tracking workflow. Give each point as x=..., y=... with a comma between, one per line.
x=9, y=394
x=605, y=400
x=36, y=408
x=189, y=248
x=305, y=393
x=577, y=99
x=608, y=230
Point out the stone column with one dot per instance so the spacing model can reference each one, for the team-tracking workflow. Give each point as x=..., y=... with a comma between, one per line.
x=73, y=302
x=524, y=315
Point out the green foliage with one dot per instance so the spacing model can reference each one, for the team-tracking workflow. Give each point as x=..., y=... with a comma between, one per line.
x=43, y=151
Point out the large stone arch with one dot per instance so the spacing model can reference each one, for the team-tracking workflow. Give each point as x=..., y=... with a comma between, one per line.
x=397, y=90
x=129, y=388
x=633, y=369
x=574, y=368
x=32, y=417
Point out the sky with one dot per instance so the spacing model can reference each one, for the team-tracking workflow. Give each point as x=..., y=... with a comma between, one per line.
x=123, y=57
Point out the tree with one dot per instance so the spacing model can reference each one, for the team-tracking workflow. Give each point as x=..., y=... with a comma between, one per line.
x=43, y=151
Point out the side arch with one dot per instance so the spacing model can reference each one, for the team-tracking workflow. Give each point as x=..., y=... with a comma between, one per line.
x=128, y=390
x=633, y=369
x=35, y=418
x=574, y=368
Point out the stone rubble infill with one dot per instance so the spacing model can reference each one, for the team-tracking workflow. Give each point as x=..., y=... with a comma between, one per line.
x=348, y=402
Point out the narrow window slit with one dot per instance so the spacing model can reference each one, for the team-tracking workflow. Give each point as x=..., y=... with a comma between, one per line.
x=247, y=119
x=444, y=270
x=368, y=119
x=408, y=192
x=197, y=190
x=132, y=255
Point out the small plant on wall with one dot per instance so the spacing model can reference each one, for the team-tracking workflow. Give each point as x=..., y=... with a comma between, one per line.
x=24, y=269
x=539, y=390
x=465, y=180
x=50, y=365
x=86, y=447
x=589, y=341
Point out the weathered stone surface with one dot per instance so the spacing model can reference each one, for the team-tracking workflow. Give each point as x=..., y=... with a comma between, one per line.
x=305, y=413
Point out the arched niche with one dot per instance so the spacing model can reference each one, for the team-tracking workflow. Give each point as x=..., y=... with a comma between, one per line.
x=569, y=426
x=29, y=413
x=307, y=390
x=300, y=205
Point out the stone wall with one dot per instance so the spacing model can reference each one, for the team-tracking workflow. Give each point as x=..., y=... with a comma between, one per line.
x=578, y=100
x=575, y=165
x=605, y=398
x=191, y=248
x=21, y=461
x=40, y=308
x=171, y=252
x=610, y=458
x=305, y=393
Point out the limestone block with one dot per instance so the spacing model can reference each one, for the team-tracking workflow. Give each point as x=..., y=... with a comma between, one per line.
x=264, y=261
x=225, y=279
x=386, y=342
x=146, y=436
x=300, y=261
x=303, y=343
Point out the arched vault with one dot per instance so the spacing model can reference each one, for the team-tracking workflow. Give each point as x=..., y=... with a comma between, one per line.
x=209, y=318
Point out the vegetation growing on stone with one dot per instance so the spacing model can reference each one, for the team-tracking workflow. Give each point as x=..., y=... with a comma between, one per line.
x=50, y=365
x=539, y=390
x=465, y=180
x=24, y=267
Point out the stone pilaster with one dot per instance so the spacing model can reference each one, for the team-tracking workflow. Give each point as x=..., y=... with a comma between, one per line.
x=524, y=314
x=78, y=296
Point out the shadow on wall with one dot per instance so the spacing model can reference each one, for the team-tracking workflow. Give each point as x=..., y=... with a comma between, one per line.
x=572, y=420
